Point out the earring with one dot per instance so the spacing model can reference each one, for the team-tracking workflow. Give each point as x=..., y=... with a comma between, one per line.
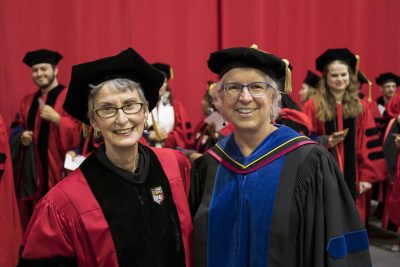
x=97, y=133
x=146, y=125
x=224, y=123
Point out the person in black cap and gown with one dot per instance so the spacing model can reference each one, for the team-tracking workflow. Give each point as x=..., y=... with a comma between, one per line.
x=266, y=195
x=345, y=125
x=126, y=204
x=46, y=126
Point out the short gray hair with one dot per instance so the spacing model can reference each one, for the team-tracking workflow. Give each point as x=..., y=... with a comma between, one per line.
x=118, y=84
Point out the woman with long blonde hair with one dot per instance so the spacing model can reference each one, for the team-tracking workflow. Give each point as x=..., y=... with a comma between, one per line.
x=345, y=125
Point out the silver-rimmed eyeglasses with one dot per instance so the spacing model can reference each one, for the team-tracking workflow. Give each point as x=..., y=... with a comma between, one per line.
x=256, y=89
x=110, y=111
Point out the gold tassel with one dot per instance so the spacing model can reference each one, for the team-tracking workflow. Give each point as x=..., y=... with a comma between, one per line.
x=288, y=77
x=369, y=91
x=171, y=71
x=155, y=127
x=211, y=88
x=85, y=130
x=254, y=46
x=357, y=66
x=288, y=72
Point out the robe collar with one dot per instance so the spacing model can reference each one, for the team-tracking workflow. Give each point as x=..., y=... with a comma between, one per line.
x=275, y=145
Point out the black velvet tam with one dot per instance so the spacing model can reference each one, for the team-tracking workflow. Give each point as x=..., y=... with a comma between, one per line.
x=387, y=77
x=42, y=56
x=312, y=79
x=164, y=68
x=342, y=54
x=220, y=62
x=128, y=64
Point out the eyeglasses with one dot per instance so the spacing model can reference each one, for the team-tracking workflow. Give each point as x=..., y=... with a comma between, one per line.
x=110, y=111
x=256, y=89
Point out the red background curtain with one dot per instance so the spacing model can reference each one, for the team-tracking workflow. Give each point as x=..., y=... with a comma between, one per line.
x=183, y=33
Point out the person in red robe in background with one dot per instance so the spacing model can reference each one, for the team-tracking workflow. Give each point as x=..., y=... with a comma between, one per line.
x=388, y=83
x=169, y=122
x=345, y=125
x=210, y=129
x=126, y=204
x=292, y=115
x=10, y=225
x=45, y=124
x=378, y=189
x=309, y=87
x=391, y=213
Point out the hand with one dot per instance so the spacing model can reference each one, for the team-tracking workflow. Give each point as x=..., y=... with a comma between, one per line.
x=153, y=136
x=26, y=138
x=364, y=187
x=49, y=114
x=72, y=154
x=332, y=141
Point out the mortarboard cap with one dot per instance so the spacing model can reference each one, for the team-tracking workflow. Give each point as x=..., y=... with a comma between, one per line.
x=224, y=60
x=312, y=79
x=128, y=64
x=386, y=77
x=342, y=54
x=42, y=56
x=165, y=69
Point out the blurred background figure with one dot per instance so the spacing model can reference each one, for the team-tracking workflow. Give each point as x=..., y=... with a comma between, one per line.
x=309, y=87
x=169, y=124
x=46, y=127
x=210, y=129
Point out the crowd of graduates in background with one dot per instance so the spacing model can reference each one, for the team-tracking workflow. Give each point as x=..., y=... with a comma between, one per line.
x=362, y=133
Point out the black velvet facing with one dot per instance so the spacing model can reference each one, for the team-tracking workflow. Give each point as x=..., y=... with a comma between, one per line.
x=144, y=232
x=43, y=140
x=374, y=143
x=349, y=151
x=375, y=155
x=371, y=131
x=257, y=163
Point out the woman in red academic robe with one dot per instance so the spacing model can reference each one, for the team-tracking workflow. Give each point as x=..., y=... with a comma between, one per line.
x=126, y=204
x=345, y=125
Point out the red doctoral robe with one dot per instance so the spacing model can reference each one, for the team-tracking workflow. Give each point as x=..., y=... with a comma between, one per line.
x=360, y=155
x=59, y=138
x=74, y=225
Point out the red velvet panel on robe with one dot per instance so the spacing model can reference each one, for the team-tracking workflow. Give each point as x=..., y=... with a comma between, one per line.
x=62, y=137
x=68, y=221
x=181, y=134
x=369, y=169
x=10, y=225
